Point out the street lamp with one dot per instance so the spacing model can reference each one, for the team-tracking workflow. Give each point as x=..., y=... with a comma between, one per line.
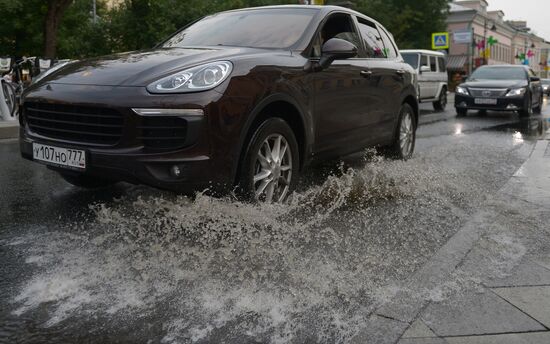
x=493, y=28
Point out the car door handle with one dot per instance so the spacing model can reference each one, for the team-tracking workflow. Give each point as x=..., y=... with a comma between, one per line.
x=366, y=73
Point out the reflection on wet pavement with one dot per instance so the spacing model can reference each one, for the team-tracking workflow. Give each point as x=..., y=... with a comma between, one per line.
x=135, y=264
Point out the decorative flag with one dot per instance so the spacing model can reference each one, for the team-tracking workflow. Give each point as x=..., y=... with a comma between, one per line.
x=480, y=45
x=492, y=41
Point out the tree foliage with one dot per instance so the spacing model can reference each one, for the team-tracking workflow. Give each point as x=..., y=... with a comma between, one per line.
x=410, y=22
x=140, y=24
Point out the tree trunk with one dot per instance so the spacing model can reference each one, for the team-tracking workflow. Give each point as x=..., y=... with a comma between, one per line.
x=56, y=8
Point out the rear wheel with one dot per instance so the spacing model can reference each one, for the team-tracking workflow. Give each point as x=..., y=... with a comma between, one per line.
x=441, y=102
x=86, y=182
x=271, y=163
x=405, y=137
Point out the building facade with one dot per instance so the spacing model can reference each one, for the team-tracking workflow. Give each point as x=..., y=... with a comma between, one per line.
x=495, y=40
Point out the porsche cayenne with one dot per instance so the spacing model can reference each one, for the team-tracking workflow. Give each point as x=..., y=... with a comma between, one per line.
x=241, y=100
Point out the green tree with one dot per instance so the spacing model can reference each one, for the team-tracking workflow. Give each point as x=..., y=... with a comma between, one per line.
x=410, y=22
x=22, y=26
x=54, y=15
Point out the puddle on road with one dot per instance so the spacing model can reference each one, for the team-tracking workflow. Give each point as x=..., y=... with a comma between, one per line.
x=213, y=270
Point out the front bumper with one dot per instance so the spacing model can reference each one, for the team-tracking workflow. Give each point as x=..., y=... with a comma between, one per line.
x=503, y=103
x=206, y=160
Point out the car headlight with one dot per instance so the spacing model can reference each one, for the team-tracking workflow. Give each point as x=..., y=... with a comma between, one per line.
x=545, y=87
x=462, y=90
x=50, y=71
x=516, y=92
x=199, y=78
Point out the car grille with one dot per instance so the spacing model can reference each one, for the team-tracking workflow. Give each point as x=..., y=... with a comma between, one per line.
x=87, y=125
x=163, y=132
x=487, y=92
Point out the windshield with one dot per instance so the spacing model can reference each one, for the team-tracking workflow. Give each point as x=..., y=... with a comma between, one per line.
x=545, y=81
x=411, y=59
x=499, y=73
x=273, y=28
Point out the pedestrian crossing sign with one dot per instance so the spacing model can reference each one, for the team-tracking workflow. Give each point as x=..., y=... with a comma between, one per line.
x=440, y=40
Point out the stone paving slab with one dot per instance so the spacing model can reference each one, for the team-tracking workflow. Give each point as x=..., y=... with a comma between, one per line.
x=534, y=301
x=544, y=262
x=418, y=330
x=527, y=274
x=476, y=314
x=422, y=341
x=516, y=338
x=380, y=330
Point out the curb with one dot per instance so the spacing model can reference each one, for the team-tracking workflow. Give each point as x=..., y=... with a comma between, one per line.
x=9, y=130
x=395, y=316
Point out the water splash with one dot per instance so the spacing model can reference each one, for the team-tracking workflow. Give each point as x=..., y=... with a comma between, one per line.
x=220, y=270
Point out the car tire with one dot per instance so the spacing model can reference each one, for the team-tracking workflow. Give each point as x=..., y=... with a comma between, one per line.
x=528, y=109
x=405, y=135
x=268, y=176
x=537, y=110
x=461, y=112
x=86, y=182
x=441, y=102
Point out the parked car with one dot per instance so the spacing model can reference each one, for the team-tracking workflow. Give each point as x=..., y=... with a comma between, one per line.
x=431, y=73
x=243, y=98
x=500, y=88
x=546, y=86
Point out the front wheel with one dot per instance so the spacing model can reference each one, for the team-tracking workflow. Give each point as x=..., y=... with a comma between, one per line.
x=86, y=182
x=405, y=136
x=441, y=103
x=528, y=109
x=271, y=163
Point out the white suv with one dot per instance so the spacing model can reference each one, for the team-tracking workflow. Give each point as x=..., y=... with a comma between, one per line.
x=431, y=75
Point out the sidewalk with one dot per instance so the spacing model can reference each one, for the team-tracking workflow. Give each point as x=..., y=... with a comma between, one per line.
x=491, y=282
x=9, y=129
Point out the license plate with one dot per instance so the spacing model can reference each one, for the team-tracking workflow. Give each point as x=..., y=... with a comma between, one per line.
x=489, y=101
x=64, y=157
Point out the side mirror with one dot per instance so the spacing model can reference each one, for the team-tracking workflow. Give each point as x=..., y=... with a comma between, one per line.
x=336, y=49
x=534, y=78
x=425, y=69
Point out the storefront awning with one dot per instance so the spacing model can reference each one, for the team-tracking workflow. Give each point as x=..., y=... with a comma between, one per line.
x=456, y=62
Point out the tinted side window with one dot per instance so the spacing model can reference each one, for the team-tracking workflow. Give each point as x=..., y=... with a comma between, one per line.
x=374, y=47
x=433, y=64
x=424, y=61
x=441, y=63
x=338, y=25
x=388, y=44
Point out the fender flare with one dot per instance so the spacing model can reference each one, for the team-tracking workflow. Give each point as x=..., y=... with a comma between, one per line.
x=305, y=118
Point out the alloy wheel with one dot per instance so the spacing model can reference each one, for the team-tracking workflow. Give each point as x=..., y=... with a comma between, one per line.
x=406, y=134
x=273, y=169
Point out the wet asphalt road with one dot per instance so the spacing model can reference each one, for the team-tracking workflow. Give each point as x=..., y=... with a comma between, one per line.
x=133, y=264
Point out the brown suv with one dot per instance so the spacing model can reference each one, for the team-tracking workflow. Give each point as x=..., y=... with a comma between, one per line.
x=243, y=98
